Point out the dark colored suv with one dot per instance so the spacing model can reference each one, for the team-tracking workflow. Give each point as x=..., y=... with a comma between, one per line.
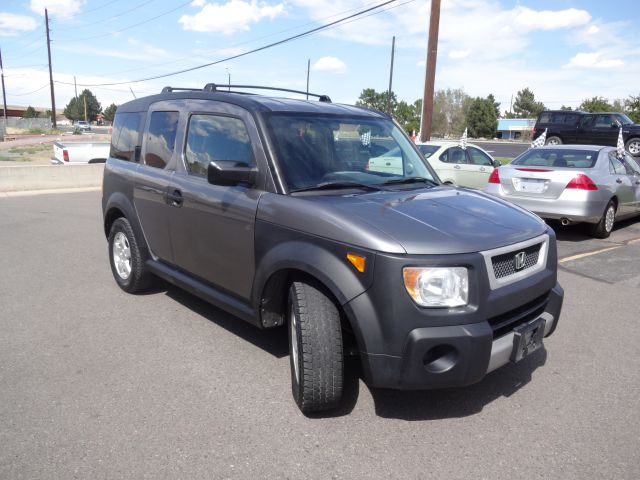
x=576, y=127
x=283, y=212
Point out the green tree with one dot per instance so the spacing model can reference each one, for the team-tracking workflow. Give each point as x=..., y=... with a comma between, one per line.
x=596, y=104
x=449, y=112
x=110, y=112
x=30, y=112
x=496, y=105
x=632, y=107
x=407, y=116
x=481, y=117
x=525, y=105
x=377, y=100
x=565, y=107
x=75, y=109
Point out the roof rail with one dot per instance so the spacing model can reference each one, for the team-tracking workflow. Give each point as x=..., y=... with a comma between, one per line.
x=212, y=87
x=175, y=89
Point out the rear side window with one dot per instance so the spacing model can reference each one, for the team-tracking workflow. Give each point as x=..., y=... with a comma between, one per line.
x=479, y=158
x=161, y=138
x=428, y=150
x=561, y=158
x=216, y=137
x=126, y=134
x=559, y=118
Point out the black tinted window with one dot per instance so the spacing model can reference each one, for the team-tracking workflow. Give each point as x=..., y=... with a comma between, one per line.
x=161, y=138
x=563, y=158
x=125, y=135
x=213, y=137
x=562, y=118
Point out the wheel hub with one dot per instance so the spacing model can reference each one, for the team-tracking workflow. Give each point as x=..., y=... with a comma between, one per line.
x=122, y=255
x=609, y=219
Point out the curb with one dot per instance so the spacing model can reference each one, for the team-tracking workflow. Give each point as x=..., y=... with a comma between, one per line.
x=29, y=178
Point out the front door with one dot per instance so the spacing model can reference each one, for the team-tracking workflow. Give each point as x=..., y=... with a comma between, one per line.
x=212, y=231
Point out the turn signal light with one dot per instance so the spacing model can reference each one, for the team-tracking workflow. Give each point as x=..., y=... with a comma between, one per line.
x=357, y=261
x=494, y=177
x=65, y=155
x=582, y=182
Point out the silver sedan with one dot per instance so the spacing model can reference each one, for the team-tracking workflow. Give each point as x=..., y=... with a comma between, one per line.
x=572, y=183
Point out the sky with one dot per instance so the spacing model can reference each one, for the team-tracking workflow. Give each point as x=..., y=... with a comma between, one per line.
x=565, y=51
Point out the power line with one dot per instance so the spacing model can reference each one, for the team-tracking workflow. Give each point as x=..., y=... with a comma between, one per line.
x=27, y=93
x=100, y=7
x=265, y=47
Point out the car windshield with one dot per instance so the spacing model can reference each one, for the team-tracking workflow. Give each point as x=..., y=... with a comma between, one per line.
x=564, y=158
x=324, y=151
x=428, y=150
x=623, y=119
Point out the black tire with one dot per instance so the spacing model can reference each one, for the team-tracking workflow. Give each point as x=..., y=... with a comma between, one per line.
x=633, y=146
x=128, y=268
x=553, y=140
x=603, y=228
x=315, y=346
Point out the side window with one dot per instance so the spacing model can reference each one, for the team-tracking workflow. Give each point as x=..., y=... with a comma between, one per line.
x=457, y=155
x=161, y=138
x=545, y=117
x=631, y=163
x=604, y=121
x=587, y=121
x=479, y=158
x=126, y=135
x=215, y=137
x=615, y=166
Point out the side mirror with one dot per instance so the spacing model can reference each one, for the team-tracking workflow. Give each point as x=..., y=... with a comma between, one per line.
x=229, y=172
x=137, y=152
x=496, y=163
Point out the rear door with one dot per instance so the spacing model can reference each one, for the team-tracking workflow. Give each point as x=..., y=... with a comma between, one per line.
x=212, y=230
x=605, y=130
x=622, y=183
x=458, y=167
x=483, y=165
x=153, y=180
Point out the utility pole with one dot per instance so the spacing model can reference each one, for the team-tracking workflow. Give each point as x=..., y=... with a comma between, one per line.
x=308, y=69
x=4, y=94
x=430, y=74
x=393, y=48
x=75, y=86
x=84, y=97
x=53, y=97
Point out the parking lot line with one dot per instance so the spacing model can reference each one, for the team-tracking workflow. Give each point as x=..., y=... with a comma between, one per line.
x=588, y=254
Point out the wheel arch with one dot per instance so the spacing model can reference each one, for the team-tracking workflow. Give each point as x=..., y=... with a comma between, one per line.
x=117, y=206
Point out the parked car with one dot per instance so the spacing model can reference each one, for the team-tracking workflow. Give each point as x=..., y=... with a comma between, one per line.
x=572, y=183
x=270, y=209
x=454, y=165
x=576, y=127
x=82, y=126
x=70, y=153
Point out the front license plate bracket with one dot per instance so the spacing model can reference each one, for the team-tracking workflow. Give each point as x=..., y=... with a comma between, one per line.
x=527, y=338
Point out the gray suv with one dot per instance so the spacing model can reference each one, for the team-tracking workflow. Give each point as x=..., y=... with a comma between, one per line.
x=326, y=219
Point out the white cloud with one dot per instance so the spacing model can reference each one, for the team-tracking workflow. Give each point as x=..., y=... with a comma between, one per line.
x=550, y=20
x=593, y=60
x=231, y=17
x=329, y=64
x=58, y=8
x=198, y=3
x=11, y=24
x=592, y=30
x=459, y=54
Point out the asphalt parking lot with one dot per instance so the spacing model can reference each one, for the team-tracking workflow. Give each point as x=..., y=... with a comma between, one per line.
x=95, y=383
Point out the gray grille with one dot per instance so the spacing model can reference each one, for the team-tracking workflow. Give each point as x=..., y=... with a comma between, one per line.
x=504, y=265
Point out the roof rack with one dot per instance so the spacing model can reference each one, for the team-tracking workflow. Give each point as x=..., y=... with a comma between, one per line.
x=212, y=87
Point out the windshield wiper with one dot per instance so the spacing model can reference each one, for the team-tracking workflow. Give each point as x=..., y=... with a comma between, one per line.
x=400, y=181
x=336, y=186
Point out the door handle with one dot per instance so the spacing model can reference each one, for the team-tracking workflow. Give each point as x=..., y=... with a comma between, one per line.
x=618, y=180
x=482, y=169
x=457, y=166
x=174, y=198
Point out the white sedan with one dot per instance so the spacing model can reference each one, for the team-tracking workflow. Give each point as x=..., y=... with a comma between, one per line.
x=454, y=165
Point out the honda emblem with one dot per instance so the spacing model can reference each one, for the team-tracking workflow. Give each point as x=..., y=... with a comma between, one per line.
x=518, y=260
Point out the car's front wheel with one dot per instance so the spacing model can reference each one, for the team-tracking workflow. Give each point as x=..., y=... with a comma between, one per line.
x=633, y=146
x=553, y=140
x=603, y=228
x=315, y=347
x=126, y=259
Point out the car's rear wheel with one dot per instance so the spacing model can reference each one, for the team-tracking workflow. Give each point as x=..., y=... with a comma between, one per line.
x=315, y=346
x=633, y=146
x=127, y=262
x=553, y=140
x=603, y=228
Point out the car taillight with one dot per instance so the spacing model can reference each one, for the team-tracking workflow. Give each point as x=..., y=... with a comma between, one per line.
x=494, y=177
x=65, y=155
x=582, y=182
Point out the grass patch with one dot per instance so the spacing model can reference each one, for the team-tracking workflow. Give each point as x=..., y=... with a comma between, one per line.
x=504, y=160
x=29, y=150
x=13, y=159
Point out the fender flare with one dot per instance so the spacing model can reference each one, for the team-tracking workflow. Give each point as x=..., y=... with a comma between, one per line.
x=118, y=202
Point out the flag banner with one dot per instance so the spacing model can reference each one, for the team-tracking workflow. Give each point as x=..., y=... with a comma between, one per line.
x=365, y=138
x=539, y=142
x=463, y=140
x=620, y=146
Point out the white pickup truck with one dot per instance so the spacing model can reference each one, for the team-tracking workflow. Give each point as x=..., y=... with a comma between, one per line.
x=74, y=153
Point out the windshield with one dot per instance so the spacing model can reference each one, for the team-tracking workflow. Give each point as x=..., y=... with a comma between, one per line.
x=623, y=119
x=320, y=151
x=560, y=157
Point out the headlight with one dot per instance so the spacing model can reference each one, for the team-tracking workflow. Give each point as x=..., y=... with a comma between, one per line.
x=437, y=286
